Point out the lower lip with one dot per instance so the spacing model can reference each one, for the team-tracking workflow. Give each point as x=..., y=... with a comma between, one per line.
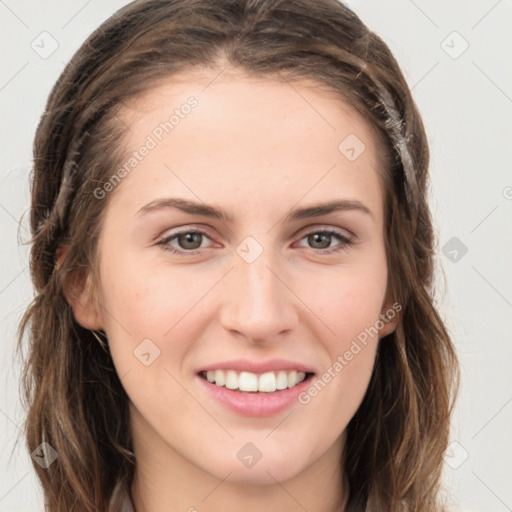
x=256, y=404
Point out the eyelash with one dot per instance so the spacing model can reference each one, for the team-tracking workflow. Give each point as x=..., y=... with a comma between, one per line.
x=344, y=241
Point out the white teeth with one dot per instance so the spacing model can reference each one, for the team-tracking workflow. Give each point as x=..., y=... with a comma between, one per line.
x=267, y=383
x=248, y=381
x=282, y=380
x=231, y=379
x=292, y=377
x=220, y=378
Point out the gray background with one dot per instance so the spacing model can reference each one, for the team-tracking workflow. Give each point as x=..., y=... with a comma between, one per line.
x=466, y=101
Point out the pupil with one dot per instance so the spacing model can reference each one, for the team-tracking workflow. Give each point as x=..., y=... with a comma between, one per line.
x=319, y=236
x=189, y=238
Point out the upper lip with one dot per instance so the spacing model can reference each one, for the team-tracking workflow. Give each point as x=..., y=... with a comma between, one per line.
x=244, y=365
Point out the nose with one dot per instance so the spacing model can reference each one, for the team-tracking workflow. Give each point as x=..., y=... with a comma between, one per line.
x=259, y=303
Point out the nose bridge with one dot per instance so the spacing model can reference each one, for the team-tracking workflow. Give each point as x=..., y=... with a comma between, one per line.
x=258, y=304
x=261, y=287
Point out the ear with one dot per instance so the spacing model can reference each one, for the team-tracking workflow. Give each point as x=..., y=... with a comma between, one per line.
x=390, y=316
x=79, y=294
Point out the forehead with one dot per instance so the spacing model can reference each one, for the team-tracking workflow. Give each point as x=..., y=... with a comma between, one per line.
x=251, y=135
x=317, y=102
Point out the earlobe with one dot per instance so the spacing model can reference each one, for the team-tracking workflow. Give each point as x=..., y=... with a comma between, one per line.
x=389, y=319
x=79, y=294
x=389, y=327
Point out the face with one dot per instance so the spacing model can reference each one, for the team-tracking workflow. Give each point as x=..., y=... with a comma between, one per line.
x=214, y=267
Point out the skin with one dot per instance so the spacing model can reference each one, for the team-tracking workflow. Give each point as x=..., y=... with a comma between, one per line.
x=257, y=148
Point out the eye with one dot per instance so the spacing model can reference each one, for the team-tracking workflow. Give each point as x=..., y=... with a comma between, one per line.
x=324, y=237
x=188, y=241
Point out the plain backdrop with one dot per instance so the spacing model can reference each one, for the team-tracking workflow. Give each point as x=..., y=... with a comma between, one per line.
x=456, y=58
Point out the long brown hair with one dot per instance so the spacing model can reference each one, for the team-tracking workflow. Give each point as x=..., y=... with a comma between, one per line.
x=75, y=401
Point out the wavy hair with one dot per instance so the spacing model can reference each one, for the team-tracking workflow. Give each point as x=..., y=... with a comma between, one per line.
x=74, y=399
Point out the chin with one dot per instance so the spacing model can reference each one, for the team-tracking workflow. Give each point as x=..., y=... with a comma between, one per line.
x=263, y=472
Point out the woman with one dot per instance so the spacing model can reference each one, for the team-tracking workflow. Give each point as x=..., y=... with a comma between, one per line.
x=253, y=367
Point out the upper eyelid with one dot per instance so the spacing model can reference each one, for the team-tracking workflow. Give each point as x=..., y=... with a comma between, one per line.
x=183, y=230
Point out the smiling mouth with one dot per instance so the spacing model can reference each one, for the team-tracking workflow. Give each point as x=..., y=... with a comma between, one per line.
x=248, y=382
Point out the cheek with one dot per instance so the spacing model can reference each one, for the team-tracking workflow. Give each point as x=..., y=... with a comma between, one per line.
x=349, y=304
x=149, y=299
x=351, y=314
x=348, y=299
x=148, y=322
x=157, y=310
x=350, y=344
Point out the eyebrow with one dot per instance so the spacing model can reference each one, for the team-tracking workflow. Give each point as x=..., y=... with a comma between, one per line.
x=216, y=212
